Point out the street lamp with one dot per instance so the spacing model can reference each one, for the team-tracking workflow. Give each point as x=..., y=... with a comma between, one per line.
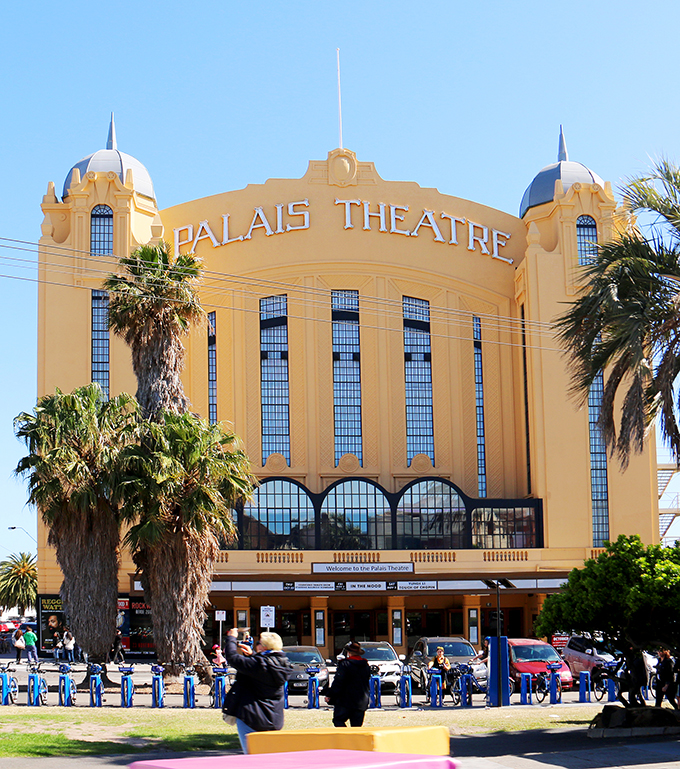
x=497, y=584
x=12, y=528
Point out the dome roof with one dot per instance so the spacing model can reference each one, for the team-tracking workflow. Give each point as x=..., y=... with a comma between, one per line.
x=542, y=188
x=112, y=159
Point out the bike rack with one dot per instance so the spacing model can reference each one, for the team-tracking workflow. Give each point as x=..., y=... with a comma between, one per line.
x=96, y=687
x=189, y=700
x=525, y=689
x=405, y=692
x=34, y=689
x=374, y=690
x=436, y=691
x=312, y=688
x=285, y=695
x=220, y=686
x=466, y=690
x=584, y=686
x=4, y=688
x=157, y=687
x=555, y=692
x=65, y=693
x=127, y=687
x=611, y=690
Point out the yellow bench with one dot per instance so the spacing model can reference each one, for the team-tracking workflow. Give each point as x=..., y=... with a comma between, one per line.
x=423, y=740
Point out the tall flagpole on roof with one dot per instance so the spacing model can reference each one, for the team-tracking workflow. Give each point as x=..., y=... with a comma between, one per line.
x=339, y=99
x=111, y=144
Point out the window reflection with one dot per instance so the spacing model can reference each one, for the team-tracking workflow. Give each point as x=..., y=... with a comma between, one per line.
x=430, y=514
x=356, y=516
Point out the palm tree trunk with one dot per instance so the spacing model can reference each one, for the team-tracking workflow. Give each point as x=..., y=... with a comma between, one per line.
x=158, y=362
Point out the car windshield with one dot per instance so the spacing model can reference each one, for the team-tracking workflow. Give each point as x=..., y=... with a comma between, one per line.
x=380, y=654
x=311, y=657
x=451, y=649
x=534, y=653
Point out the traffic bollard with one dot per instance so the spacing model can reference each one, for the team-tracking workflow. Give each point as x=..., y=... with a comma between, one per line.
x=466, y=690
x=285, y=695
x=189, y=700
x=33, y=689
x=525, y=689
x=555, y=689
x=584, y=686
x=157, y=687
x=375, y=701
x=127, y=688
x=436, y=692
x=95, y=686
x=405, y=692
x=611, y=690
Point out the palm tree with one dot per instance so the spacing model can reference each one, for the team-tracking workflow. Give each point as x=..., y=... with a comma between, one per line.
x=626, y=322
x=152, y=305
x=183, y=481
x=18, y=582
x=74, y=441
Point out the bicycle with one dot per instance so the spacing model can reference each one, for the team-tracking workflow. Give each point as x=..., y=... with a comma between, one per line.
x=477, y=685
x=67, y=686
x=229, y=678
x=36, y=669
x=542, y=684
x=12, y=683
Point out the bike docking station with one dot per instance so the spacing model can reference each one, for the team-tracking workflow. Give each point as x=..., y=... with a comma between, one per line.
x=313, y=688
x=374, y=692
x=35, y=683
x=127, y=687
x=96, y=686
x=405, y=690
x=157, y=687
x=611, y=690
x=285, y=695
x=9, y=689
x=584, y=686
x=220, y=686
x=525, y=689
x=555, y=684
x=466, y=690
x=189, y=689
x=67, y=687
x=436, y=691
x=498, y=692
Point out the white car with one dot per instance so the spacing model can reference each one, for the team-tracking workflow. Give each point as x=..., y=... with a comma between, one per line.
x=384, y=661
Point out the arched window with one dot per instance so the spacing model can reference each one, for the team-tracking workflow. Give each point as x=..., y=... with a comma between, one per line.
x=586, y=239
x=430, y=514
x=101, y=244
x=356, y=516
x=280, y=517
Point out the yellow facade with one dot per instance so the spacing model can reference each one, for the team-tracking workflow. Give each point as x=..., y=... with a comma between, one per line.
x=342, y=227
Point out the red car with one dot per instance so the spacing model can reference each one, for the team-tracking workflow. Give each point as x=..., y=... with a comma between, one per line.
x=529, y=655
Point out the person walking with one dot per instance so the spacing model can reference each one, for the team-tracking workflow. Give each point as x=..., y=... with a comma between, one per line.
x=19, y=643
x=117, y=650
x=30, y=639
x=349, y=692
x=255, y=700
x=69, y=644
x=665, y=681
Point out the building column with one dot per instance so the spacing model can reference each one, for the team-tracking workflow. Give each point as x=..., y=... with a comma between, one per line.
x=319, y=608
x=396, y=618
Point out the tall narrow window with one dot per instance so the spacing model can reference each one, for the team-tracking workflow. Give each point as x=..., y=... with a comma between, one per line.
x=527, y=433
x=586, y=239
x=479, y=403
x=212, y=367
x=346, y=374
x=599, y=490
x=274, y=377
x=101, y=244
x=418, y=378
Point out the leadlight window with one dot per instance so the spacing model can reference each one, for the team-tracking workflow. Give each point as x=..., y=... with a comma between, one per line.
x=418, y=378
x=346, y=374
x=280, y=517
x=479, y=406
x=274, y=377
x=599, y=490
x=212, y=367
x=355, y=515
x=430, y=514
x=586, y=239
x=101, y=244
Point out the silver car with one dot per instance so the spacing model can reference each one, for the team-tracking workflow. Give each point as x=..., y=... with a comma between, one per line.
x=383, y=660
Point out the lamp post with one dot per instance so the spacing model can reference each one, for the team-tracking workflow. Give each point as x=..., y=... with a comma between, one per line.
x=497, y=584
x=12, y=528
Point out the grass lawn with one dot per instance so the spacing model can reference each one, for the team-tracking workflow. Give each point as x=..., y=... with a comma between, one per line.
x=83, y=731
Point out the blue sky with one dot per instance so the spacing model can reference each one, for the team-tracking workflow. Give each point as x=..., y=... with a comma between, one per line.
x=211, y=96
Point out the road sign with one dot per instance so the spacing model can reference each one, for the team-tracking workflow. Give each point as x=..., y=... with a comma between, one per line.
x=220, y=616
x=267, y=617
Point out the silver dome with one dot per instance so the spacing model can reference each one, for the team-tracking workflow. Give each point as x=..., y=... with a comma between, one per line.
x=112, y=159
x=542, y=188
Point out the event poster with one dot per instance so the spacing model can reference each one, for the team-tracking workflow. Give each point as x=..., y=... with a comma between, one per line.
x=51, y=620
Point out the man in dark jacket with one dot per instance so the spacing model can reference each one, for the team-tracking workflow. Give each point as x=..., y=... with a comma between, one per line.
x=256, y=698
x=349, y=691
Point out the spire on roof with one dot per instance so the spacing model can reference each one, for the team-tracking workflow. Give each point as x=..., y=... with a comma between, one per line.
x=562, y=153
x=111, y=142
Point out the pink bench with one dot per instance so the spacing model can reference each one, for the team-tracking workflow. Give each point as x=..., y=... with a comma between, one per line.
x=309, y=759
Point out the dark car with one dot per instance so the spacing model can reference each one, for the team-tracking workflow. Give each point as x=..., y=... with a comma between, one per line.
x=301, y=658
x=456, y=648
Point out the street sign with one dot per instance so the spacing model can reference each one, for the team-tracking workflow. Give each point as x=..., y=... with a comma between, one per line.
x=220, y=616
x=267, y=617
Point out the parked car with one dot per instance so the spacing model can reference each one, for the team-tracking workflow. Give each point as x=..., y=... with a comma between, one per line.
x=582, y=653
x=456, y=648
x=384, y=662
x=301, y=658
x=529, y=655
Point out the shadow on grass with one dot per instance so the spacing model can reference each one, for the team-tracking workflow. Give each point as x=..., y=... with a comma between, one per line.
x=34, y=745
